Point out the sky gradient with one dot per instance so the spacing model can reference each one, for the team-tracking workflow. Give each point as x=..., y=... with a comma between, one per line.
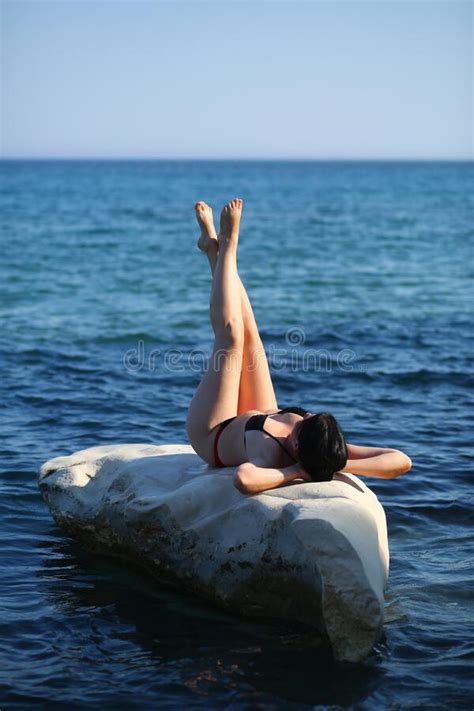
x=233, y=79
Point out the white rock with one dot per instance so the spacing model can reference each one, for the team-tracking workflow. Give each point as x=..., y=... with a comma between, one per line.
x=315, y=552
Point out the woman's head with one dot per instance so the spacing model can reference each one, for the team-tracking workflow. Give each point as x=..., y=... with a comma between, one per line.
x=322, y=447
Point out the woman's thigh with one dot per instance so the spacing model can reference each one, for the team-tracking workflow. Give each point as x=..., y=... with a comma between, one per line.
x=216, y=398
x=256, y=386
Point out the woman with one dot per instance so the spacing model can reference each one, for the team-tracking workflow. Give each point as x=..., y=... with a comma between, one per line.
x=233, y=419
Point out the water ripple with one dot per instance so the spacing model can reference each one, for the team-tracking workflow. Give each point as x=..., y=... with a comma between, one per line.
x=374, y=258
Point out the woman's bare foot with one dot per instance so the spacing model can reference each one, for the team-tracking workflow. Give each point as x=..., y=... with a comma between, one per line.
x=208, y=238
x=230, y=221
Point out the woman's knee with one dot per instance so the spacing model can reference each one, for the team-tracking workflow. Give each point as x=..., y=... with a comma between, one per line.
x=230, y=332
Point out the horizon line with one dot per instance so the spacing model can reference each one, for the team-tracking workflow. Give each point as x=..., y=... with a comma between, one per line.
x=282, y=159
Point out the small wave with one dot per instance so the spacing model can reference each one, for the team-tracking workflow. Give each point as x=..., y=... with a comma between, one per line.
x=97, y=245
x=453, y=512
x=128, y=338
x=424, y=376
x=96, y=231
x=140, y=213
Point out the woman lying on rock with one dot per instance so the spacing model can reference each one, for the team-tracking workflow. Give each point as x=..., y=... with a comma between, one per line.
x=234, y=420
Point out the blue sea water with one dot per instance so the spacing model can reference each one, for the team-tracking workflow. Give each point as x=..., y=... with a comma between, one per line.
x=104, y=298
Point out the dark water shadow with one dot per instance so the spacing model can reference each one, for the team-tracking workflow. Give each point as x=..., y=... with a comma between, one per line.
x=253, y=659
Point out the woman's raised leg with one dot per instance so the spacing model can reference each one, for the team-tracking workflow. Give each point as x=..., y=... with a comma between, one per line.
x=217, y=395
x=256, y=388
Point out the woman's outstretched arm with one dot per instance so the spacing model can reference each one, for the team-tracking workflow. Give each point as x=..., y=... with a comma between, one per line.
x=249, y=478
x=376, y=461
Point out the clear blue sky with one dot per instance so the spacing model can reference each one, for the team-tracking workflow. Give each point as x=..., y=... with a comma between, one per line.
x=148, y=78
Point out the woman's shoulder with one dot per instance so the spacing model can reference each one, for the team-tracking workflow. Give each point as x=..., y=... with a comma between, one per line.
x=251, y=413
x=294, y=410
x=242, y=418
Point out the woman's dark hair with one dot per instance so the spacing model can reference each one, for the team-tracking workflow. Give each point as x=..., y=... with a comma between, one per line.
x=322, y=447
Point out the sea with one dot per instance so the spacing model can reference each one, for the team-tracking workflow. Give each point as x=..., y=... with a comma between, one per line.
x=360, y=274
